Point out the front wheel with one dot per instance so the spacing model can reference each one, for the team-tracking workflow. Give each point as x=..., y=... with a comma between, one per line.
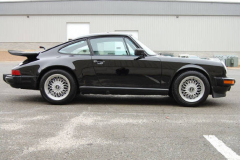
x=58, y=87
x=191, y=88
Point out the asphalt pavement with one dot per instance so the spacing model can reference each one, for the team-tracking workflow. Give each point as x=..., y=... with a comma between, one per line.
x=117, y=127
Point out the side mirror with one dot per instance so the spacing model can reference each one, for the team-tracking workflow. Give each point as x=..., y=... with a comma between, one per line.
x=139, y=52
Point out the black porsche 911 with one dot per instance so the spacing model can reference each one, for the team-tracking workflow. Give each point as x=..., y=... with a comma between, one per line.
x=116, y=64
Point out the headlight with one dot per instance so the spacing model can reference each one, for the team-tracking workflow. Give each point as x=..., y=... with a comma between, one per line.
x=224, y=66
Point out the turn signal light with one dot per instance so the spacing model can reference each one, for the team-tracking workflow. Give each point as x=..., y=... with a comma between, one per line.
x=16, y=73
x=228, y=81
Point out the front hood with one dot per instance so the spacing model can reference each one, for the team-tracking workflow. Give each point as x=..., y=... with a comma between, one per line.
x=190, y=61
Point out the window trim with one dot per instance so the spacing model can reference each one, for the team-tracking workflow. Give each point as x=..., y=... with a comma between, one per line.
x=128, y=53
x=76, y=41
x=127, y=45
x=89, y=44
x=134, y=42
x=92, y=52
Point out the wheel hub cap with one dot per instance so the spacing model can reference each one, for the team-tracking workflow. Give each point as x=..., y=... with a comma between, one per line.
x=57, y=87
x=191, y=89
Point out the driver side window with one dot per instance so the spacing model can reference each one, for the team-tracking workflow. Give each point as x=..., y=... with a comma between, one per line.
x=109, y=46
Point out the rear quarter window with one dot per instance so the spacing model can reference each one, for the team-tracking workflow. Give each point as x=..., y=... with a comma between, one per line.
x=76, y=48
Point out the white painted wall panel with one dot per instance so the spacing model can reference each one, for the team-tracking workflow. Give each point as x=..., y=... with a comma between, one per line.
x=75, y=30
x=133, y=33
x=161, y=33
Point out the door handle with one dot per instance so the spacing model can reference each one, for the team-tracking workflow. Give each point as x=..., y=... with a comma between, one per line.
x=98, y=61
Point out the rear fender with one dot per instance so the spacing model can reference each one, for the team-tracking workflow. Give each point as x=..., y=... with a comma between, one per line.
x=50, y=63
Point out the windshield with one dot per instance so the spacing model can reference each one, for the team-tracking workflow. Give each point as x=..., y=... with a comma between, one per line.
x=149, y=51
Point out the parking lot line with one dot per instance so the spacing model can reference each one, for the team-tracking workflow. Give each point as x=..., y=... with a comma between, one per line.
x=222, y=148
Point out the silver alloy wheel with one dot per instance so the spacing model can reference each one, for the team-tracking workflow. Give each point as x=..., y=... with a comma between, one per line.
x=57, y=87
x=191, y=89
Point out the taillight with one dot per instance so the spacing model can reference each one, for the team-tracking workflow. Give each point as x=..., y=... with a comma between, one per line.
x=16, y=73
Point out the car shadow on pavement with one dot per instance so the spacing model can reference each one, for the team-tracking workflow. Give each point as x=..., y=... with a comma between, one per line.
x=135, y=100
x=113, y=100
x=119, y=100
x=102, y=99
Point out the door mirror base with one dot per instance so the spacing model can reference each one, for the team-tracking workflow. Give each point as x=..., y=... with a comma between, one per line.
x=140, y=53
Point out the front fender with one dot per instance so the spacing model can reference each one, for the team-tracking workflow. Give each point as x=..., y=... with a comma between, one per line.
x=192, y=66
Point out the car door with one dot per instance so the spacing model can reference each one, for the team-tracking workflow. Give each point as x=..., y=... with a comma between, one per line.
x=78, y=54
x=116, y=65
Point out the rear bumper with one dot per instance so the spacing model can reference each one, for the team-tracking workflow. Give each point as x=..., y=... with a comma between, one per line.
x=23, y=82
x=220, y=89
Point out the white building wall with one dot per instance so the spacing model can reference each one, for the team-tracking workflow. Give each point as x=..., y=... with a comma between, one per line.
x=160, y=33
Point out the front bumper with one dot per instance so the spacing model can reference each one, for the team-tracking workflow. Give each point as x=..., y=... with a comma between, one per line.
x=220, y=89
x=23, y=82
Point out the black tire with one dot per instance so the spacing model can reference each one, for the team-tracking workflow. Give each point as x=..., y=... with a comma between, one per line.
x=195, y=88
x=62, y=85
x=170, y=94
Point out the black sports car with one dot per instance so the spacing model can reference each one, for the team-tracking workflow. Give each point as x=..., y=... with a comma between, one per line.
x=116, y=64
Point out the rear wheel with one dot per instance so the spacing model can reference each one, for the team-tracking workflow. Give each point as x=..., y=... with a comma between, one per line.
x=190, y=88
x=58, y=87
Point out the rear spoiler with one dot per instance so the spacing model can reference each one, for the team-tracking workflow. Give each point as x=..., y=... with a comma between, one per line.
x=29, y=55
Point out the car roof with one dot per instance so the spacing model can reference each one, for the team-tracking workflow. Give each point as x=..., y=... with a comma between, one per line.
x=104, y=34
